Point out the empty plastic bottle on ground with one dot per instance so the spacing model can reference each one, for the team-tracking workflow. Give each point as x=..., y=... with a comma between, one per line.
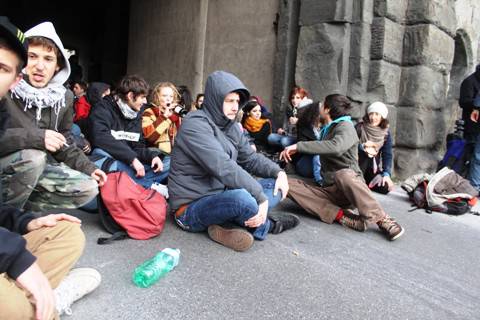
x=153, y=269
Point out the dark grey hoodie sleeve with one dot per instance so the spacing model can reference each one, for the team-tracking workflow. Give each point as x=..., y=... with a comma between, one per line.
x=198, y=142
x=254, y=162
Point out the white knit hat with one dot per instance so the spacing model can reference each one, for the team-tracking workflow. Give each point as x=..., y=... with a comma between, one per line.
x=378, y=107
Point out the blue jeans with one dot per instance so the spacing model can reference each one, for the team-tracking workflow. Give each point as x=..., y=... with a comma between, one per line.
x=474, y=170
x=146, y=181
x=309, y=166
x=280, y=140
x=231, y=206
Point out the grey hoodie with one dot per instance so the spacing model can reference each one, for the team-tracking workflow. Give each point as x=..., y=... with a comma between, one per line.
x=211, y=154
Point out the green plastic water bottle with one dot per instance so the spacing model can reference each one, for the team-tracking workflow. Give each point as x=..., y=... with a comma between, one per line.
x=153, y=269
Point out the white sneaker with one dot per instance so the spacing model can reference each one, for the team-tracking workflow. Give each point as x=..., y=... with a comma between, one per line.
x=77, y=283
x=160, y=188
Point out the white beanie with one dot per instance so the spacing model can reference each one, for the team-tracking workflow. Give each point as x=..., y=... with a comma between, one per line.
x=378, y=107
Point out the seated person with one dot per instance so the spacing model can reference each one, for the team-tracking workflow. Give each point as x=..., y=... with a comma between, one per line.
x=198, y=102
x=41, y=167
x=159, y=122
x=265, y=113
x=308, y=129
x=96, y=91
x=256, y=124
x=210, y=181
x=286, y=135
x=36, y=253
x=116, y=132
x=375, y=148
x=81, y=105
x=344, y=186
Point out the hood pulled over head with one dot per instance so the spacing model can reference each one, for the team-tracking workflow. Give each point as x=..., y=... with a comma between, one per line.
x=219, y=85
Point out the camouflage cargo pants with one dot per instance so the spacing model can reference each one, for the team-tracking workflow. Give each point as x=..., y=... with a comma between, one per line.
x=30, y=182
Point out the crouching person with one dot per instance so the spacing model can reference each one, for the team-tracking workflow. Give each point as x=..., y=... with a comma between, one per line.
x=36, y=254
x=115, y=130
x=41, y=167
x=344, y=186
x=210, y=184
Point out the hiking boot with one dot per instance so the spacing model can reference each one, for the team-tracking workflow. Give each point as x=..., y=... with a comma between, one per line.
x=77, y=283
x=236, y=239
x=391, y=228
x=353, y=221
x=282, y=222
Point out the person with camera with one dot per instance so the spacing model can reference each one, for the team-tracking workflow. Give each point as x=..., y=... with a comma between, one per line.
x=116, y=132
x=161, y=121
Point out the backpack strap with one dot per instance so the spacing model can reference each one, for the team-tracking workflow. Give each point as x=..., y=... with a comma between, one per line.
x=119, y=235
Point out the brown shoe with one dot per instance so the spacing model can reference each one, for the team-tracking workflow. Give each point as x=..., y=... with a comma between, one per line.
x=391, y=228
x=353, y=221
x=236, y=239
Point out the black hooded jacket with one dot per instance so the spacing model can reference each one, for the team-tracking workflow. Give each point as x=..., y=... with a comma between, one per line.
x=14, y=257
x=469, y=89
x=122, y=138
x=211, y=154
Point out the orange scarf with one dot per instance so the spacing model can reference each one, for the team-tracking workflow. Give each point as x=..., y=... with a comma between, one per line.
x=254, y=125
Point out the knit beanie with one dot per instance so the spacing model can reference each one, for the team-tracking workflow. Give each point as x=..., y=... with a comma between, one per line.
x=378, y=107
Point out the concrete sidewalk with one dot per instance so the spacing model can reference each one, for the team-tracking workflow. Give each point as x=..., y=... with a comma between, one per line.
x=316, y=271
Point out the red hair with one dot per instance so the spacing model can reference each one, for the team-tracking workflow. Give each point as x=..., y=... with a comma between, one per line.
x=298, y=90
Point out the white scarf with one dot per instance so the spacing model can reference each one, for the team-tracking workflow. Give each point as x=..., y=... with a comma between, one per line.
x=52, y=96
x=127, y=112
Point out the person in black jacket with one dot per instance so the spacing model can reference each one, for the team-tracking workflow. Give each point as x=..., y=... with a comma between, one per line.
x=469, y=90
x=32, y=264
x=115, y=130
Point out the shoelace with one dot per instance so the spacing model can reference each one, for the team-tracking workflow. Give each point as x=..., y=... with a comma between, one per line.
x=389, y=223
x=63, y=305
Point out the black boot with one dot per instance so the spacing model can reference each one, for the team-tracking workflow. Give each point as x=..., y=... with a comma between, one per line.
x=282, y=222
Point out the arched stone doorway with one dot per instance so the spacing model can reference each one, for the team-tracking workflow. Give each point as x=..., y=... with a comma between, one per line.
x=461, y=64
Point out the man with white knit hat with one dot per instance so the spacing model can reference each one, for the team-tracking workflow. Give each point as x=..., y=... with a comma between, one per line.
x=41, y=167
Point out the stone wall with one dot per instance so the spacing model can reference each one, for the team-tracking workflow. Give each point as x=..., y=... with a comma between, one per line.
x=183, y=41
x=409, y=54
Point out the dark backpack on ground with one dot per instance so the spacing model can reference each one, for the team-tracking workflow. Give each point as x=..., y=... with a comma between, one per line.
x=128, y=209
x=456, y=206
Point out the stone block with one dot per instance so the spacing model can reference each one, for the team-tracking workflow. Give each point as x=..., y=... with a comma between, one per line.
x=392, y=119
x=428, y=45
x=439, y=12
x=362, y=11
x=383, y=81
x=421, y=85
x=392, y=9
x=387, y=40
x=416, y=127
x=358, y=72
x=314, y=11
x=322, y=58
x=359, y=63
x=408, y=162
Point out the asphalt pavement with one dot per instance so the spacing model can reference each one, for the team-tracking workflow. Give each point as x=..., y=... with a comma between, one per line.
x=316, y=271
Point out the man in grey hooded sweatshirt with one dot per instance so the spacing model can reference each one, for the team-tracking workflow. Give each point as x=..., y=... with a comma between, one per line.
x=210, y=181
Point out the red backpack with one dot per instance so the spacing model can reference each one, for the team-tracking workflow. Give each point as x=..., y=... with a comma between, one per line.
x=127, y=208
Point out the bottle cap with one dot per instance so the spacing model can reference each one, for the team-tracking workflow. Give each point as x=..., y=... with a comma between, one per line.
x=175, y=253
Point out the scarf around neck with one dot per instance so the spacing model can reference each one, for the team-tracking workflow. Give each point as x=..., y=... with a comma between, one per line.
x=127, y=112
x=52, y=96
x=372, y=133
x=254, y=125
x=325, y=129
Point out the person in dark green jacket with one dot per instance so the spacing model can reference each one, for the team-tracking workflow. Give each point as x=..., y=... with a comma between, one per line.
x=343, y=183
x=36, y=253
x=41, y=167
